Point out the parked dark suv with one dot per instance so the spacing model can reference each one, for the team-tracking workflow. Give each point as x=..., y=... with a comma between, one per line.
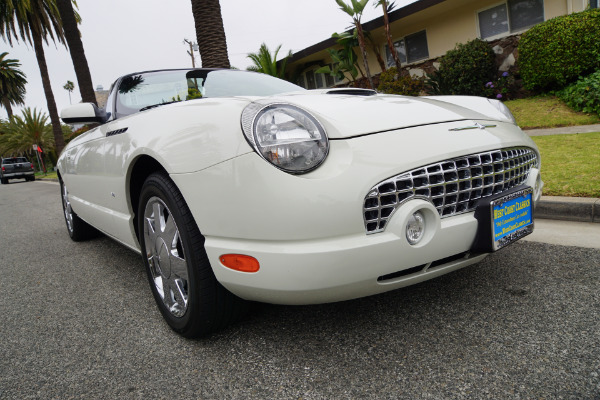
x=15, y=168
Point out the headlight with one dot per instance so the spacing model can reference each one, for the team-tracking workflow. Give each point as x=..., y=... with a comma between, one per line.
x=285, y=135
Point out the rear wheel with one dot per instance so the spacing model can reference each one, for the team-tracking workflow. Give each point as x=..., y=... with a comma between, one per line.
x=78, y=229
x=184, y=286
x=4, y=181
x=30, y=178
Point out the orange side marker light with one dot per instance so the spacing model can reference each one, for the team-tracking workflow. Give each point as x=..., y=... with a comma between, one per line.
x=240, y=262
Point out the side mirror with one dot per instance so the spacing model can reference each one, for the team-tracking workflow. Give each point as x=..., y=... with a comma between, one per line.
x=83, y=113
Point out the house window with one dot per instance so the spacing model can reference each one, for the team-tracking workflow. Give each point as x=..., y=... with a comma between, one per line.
x=525, y=13
x=416, y=47
x=512, y=16
x=311, y=80
x=409, y=49
x=493, y=21
x=400, y=50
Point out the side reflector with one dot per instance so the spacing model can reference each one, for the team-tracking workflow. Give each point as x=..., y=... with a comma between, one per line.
x=240, y=262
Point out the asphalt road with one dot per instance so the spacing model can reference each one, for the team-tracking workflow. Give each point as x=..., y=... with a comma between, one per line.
x=78, y=321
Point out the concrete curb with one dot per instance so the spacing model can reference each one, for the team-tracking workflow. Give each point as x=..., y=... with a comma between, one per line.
x=578, y=209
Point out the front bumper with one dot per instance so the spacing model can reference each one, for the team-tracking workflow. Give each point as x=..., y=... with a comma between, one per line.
x=335, y=269
x=308, y=231
x=18, y=175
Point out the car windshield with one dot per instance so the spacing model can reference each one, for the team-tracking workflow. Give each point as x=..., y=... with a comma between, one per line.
x=141, y=91
x=14, y=160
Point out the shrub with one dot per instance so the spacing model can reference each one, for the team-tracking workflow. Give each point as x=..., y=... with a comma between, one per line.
x=390, y=82
x=500, y=88
x=583, y=95
x=464, y=70
x=556, y=52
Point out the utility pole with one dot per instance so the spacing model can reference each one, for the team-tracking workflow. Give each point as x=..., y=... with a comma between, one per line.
x=193, y=46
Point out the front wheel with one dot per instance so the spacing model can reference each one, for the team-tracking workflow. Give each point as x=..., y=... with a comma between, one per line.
x=78, y=229
x=184, y=286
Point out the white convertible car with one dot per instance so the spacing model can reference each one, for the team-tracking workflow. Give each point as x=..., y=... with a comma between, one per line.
x=238, y=186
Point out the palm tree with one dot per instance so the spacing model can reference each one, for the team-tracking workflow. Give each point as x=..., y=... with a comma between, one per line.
x=12, y=83
x=355, y=10
x=69, y=87
x=266, y=63
x=34, y=21
x=210, y=34
x=387, y=7
x=70, y=19
x=21, y=133
x=344, y=60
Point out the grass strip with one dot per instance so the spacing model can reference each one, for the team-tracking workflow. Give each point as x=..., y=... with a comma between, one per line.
x=547, y=112
x=570, y=164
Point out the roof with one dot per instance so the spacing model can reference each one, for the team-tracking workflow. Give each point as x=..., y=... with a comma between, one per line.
x=395, y=15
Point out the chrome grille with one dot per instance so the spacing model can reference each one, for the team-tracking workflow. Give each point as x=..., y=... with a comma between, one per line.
x=453, y=186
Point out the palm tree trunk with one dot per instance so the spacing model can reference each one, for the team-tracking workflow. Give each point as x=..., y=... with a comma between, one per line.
x=80, y=64
x=361, y=43
x=388, y=35
x=59, y=141
x=8, y=107
x=377, y=52
x=210, y=33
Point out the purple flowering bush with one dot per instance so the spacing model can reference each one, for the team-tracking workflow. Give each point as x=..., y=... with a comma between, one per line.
x=500, y=88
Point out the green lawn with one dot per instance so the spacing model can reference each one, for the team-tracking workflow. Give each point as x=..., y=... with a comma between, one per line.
x=570, y=164
x=50, y=175
x=547, y=112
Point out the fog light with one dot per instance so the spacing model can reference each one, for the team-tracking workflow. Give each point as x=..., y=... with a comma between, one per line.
x=415, y=228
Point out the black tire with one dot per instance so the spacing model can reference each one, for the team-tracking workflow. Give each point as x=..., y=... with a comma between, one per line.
x=4, y=181
x=78, y=229
x=31, y=178
x=191, y=300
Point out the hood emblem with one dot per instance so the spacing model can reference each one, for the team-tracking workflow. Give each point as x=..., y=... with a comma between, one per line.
x=476, y=125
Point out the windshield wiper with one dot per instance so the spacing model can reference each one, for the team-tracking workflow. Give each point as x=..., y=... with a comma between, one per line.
x=159, y=104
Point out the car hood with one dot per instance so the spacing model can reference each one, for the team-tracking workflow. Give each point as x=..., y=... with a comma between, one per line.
x=349, y=115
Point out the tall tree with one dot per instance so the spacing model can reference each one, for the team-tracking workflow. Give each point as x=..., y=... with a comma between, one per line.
x=210, y=33
x=12, y=83
x=22, y=132
x=344, y=60
x=387, y=7
x=34, y=21
x=69, y=87
x=266, y=63
x=355, y=10
x=70, y=19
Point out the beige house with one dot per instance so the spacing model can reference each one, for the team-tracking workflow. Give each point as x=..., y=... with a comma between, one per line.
x=426, y=29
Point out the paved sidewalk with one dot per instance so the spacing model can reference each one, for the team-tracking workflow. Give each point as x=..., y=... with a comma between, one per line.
x=563, y=130
x=565, y=233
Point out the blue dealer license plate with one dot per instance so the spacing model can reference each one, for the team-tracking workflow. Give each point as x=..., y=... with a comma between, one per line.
x=512, y=217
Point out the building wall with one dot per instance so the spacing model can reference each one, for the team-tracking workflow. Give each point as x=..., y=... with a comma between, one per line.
x=446, y=24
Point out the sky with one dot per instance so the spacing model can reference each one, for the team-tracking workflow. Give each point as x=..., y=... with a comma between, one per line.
x=125, y=36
